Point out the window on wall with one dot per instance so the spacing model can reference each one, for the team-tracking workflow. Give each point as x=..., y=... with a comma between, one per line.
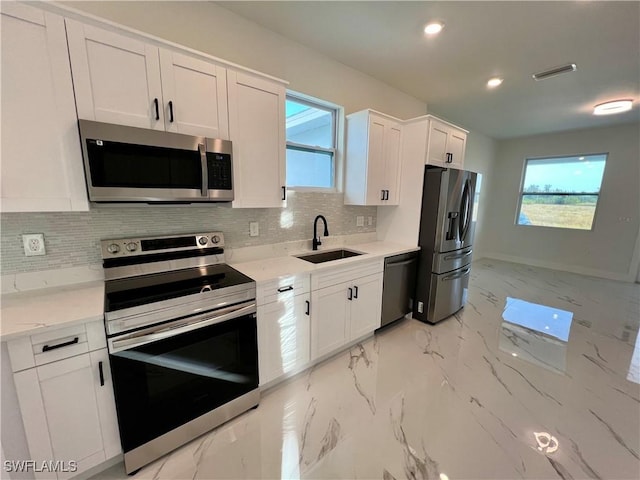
x=561, y=192
x=311, y=144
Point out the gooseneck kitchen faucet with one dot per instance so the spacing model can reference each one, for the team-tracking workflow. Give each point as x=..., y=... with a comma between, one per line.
x=316, y=238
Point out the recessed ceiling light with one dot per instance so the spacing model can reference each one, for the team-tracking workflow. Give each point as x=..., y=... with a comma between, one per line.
x=494, y=82
x=433, y=27
x=616, y=106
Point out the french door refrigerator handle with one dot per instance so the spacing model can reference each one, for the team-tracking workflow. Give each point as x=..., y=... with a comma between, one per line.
x=457, y=275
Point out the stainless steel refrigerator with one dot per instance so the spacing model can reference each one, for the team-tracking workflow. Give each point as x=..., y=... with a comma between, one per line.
x=446, y=241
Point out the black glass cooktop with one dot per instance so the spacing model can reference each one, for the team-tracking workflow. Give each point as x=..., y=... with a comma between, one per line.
x=145, y=289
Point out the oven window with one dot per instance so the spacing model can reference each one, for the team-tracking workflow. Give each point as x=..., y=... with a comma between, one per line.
x=123, y=165
x=162, y=385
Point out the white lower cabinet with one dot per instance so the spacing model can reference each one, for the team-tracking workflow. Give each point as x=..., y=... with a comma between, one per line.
x=67, y=405
x=284, y=310
x=345, y=311
x=283, y=337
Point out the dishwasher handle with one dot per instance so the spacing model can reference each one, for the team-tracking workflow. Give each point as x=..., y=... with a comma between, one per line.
x=401, y=263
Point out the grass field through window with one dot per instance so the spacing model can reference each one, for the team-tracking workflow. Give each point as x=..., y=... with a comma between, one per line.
x=560, y=216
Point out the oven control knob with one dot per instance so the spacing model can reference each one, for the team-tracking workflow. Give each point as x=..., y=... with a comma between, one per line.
x=131, y=247
x=215, y=239
x=113, y=248
x=203, y=240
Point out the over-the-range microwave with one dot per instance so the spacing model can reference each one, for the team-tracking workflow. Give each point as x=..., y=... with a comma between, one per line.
x=130, y=164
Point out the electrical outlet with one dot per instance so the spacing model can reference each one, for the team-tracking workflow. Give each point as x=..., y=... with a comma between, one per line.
x=33, y=244
x=370, y=221
x=420, y=307
x=359, y=221
x=254, y=229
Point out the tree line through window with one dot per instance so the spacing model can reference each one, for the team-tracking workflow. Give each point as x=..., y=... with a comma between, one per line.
x=561, y=192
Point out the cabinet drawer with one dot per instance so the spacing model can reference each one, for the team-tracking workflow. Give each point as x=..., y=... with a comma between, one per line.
x=346, y=274
x=282, y=288
x=51, y=346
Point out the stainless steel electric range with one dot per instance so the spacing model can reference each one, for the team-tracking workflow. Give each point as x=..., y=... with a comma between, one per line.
x=181, y=331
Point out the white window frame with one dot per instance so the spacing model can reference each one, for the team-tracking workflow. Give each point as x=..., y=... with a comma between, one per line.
x=522, y=193
x=337, y=136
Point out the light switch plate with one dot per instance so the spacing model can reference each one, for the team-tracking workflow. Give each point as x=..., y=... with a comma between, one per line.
x=360, y=221
x=254, y=229
x=33, y=244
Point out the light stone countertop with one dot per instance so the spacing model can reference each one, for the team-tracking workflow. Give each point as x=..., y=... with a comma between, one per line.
x=272, y=268
x=26, y=313
x=29, y=312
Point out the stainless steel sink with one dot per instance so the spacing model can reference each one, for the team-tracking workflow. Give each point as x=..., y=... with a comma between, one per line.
x=328, y=256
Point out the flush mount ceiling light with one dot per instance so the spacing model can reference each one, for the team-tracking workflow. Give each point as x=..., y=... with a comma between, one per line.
x=616, y=106
x=552, y=72
x=495, y=82
x=433, y=28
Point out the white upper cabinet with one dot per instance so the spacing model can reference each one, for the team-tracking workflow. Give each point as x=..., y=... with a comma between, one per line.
x=41, y=158
x=257, y=130
x=195, y=94
x=123, y=80
x=372, y=159
x=116, y=78
x=446, y=144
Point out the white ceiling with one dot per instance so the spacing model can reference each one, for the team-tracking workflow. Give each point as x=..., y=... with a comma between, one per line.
x=480, y=39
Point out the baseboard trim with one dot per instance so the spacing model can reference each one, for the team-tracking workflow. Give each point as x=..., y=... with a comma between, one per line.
x=591, y=272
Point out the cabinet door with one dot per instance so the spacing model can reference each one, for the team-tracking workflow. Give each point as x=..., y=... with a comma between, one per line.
x=283, y=337
x=366, y=309
x=392, y=143
x=195, y=96
x=328, y=319
x=116, y=78
x=437, y=148
x=456, y=147
x=376, y=161
x=257, y=130
x=60, y=399
x=106, y=402
x=41, y=159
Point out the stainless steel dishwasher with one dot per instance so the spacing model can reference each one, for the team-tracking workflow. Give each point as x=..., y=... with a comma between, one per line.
x=399, y=286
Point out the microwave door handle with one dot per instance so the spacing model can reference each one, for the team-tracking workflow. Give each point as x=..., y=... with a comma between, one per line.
x=205, y=171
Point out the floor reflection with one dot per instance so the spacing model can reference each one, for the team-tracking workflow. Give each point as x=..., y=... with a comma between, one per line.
x=536, y=333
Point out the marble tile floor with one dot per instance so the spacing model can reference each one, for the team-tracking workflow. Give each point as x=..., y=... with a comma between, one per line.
x=537, y=377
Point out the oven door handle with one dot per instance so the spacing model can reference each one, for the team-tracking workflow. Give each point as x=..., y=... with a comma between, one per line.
x=178, y=327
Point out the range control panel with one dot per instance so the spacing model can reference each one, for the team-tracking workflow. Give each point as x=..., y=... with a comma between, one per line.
x=128, y=247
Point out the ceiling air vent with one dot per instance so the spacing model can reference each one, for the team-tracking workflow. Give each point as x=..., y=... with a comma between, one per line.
x=552, y=72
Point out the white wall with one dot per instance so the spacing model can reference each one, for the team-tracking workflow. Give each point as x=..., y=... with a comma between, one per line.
x=609, y=250
x=217, y=31
x=480, y=157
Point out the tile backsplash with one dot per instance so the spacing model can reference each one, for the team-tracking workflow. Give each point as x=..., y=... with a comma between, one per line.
x=73, y=239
